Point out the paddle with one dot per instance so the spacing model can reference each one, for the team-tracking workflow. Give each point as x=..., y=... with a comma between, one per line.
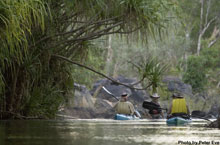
x=136, y=112
x=110, y=93
x=152, y=106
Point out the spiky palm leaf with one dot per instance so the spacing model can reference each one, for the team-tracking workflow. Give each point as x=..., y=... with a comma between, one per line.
x=17, y=19
x=152, y=70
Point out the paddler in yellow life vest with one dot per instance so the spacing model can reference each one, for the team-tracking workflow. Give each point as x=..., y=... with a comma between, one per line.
x=178, y=107
x=123, y=106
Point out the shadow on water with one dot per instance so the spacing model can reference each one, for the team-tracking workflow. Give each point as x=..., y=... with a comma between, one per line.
x=102, y=132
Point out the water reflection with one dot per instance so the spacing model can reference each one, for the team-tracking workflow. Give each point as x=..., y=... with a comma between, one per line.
x=102, y=132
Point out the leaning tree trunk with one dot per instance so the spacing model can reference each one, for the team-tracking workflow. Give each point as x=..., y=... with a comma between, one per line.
x=205, y=26
x=218, y=117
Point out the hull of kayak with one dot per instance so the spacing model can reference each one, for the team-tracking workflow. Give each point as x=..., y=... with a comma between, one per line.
x=177, y=121
x=125, y=117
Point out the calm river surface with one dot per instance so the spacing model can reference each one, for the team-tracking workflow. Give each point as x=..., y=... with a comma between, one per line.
x=104, y=132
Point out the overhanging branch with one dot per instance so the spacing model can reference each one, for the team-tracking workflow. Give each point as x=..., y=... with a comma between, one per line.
x=101, y=74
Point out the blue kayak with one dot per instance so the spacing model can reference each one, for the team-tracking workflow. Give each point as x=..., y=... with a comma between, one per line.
x=125, y=117
x=177, y=121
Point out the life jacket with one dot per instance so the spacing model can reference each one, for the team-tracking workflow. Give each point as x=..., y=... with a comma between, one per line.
x=179, y=106
x=155, y=111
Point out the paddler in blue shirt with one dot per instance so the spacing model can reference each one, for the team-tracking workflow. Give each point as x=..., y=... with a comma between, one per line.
x=178, y=107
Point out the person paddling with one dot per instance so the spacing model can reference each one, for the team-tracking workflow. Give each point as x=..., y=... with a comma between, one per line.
x=123, y=106
x=178, y=108
x=156, y=113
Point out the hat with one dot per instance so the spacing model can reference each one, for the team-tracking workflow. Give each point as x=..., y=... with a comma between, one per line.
x=124, y=94
x=177, y=95
x=155, y=95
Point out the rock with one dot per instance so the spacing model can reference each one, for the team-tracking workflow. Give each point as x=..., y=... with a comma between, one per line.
x=97, y=103
x=135, y=96
x=176, y=84
x=81, y=105
x=104, y=108
x=117, y=90
x=198, y=113
x=213, y=124
x=82, y=97
x=214, y=111
x=216, y=124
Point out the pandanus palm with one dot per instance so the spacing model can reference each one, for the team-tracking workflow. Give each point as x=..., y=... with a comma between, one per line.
x=152, y=70
x=17, y=18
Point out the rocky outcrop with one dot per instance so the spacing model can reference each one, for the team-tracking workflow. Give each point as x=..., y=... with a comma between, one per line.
x=214, y=111
x=199, y=113
x=216, y=124
x=176, y=84
x=82, y=97
x=135, y=96
x=103, y=108
x=97, y=103
x=79, y=106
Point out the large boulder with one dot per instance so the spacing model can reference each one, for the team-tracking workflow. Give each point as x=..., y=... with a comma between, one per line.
x=135, y=96
x=117, y=90
x=176, y=84
x=198, y=113
x=214, y=111
x=82, y=97
x=81, y=105
x=104, y=109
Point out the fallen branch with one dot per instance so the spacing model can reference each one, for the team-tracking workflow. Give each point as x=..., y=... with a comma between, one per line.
x=101, y=74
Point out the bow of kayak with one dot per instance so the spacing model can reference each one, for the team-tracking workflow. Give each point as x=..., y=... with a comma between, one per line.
x=125, y=117
x=177, y=121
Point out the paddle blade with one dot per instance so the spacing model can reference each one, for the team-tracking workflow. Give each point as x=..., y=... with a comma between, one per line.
x=150, y=105
x=107, y=90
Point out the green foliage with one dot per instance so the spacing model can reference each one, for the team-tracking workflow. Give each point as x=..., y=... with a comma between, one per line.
x=17, y=63
x=195, y=74
x=44, y=101
x=17, y=18
x=152, y=70
x=212, y=57
x=32, y=81
x=150, y=16
x=91, y=57
x=164, y=93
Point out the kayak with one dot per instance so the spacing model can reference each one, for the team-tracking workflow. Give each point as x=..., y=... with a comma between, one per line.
x=178, y=121
x=125, y=117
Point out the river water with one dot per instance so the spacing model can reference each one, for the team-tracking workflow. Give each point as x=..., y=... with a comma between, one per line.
x=104, y=132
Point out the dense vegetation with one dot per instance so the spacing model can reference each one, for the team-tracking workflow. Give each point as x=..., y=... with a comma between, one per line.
x=111, y=36
x=33, y=79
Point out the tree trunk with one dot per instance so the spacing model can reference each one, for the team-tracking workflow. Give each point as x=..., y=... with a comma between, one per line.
x=109, y=56
x=204, y=27
x=115, y=71
x=218, y=117
x=199, y=44
x=215, y=37
x=201, y=27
